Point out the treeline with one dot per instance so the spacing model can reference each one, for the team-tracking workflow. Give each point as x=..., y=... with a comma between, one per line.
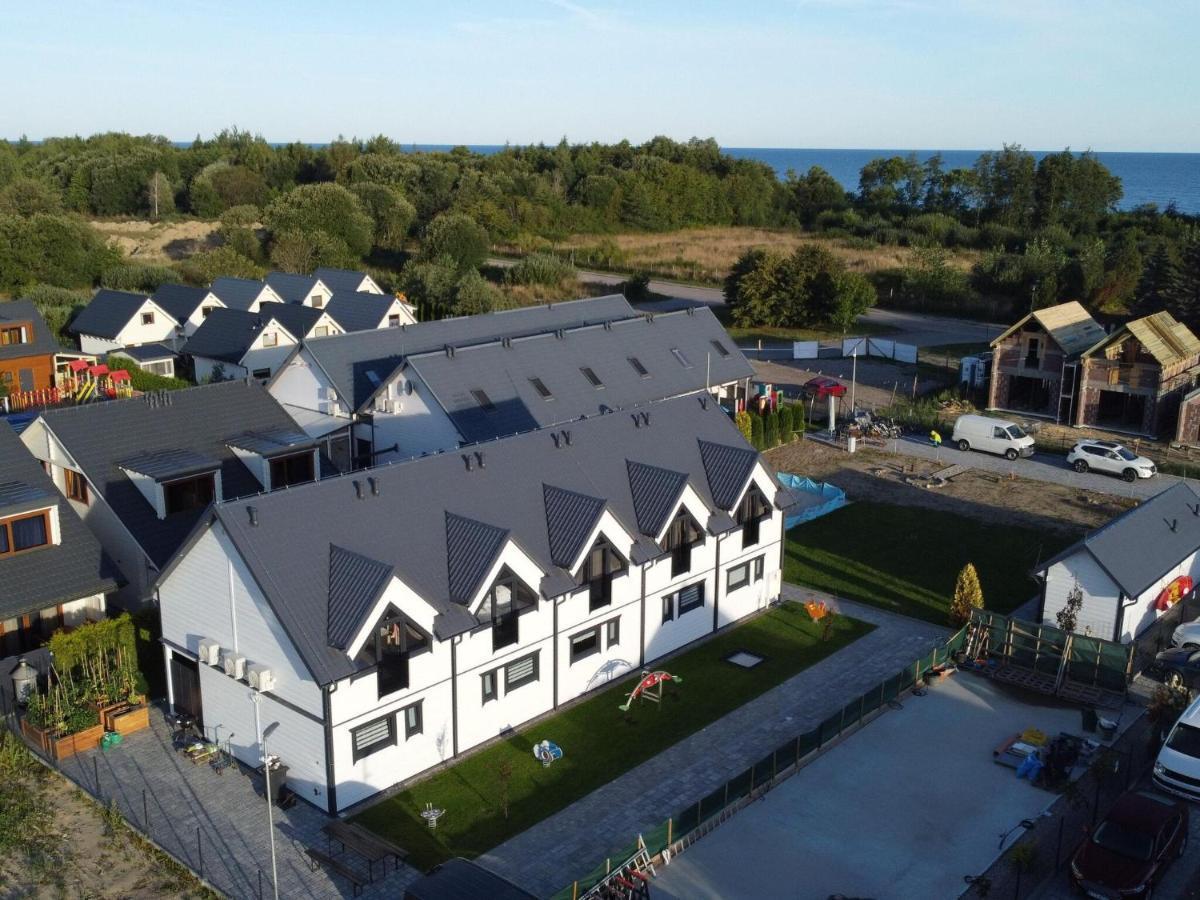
x=1048, y=229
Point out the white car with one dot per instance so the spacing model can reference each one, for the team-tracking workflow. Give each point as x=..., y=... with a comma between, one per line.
x=1187, y=635
x=1110, y=457
x=1177, y=768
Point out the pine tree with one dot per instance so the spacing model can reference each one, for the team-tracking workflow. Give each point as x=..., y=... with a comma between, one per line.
x=770, y=431
x=1183, y=290
x=968, y=595
x=1156, y=282
x=756, y=432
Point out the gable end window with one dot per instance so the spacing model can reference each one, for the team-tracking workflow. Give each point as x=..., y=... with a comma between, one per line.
x=147, y=318
x=295, y=468
x=503, y=605
x=394, y=320
x=602, y=565
x=397, y=640
x=750, y=514
x=189, y=493
x=25, y=532
x=683, y=534
x=520, y=672
x=76, y=485
x=413, y=720
x=270, y=339
x=373, y=737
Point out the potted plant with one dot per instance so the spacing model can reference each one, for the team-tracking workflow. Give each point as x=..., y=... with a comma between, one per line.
x=1166, y=706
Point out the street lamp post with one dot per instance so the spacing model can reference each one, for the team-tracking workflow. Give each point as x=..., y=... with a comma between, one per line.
x=267, y=732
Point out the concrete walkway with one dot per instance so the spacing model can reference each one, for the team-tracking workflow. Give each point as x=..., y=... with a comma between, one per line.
x=548, y=856
x=216, y=824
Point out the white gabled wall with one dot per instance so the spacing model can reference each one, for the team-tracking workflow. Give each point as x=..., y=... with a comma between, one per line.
x=98, y=346
x=1142, y=614
x=196, y=319
x=205, y=368
x=302, y=383
x=1101, y=596
x=161, y=329
x=259, y=356
x=418, y=423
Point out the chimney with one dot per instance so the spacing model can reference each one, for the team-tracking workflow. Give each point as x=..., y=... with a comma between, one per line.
x=358, y=489
x=253, y=514
x=374, y=483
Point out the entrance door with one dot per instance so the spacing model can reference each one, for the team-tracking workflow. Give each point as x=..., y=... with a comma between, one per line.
x=185, y=679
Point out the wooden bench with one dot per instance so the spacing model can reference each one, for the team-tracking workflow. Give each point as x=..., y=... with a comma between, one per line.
x=320, y=858
x=366, y=844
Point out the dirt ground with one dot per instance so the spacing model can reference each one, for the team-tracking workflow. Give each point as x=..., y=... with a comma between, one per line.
x=875, y=474
x=159, y=242
x=94, y=857
x=877, y=383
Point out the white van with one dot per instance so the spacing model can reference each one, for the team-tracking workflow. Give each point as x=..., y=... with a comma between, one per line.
x=993, y=435
x=1177, y=768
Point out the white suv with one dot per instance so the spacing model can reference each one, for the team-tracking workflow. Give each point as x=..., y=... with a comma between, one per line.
x=1110, y=457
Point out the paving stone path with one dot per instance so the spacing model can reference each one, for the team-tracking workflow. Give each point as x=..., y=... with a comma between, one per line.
x=548, y=856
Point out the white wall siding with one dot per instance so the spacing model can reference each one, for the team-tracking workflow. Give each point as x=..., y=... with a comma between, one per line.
x=161, y=329
x=98, y=346
x=1141, y=615
x=418, y=425
x=259, y=356
x=1101, y=596
x=205, y=368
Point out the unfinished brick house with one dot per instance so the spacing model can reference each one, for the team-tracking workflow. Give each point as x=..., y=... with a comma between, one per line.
x=1035, y=363
x=1134, y=379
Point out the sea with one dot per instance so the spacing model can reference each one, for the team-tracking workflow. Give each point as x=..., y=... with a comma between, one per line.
x=1159, y=178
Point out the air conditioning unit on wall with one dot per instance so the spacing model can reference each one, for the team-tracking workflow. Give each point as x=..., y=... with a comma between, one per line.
x=234, y=664
x=261, y=677
x=210, y=652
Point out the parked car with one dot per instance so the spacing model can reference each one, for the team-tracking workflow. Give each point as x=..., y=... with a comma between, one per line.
x=1177, y=666
x=991, y=435
x=1110, y=457
x=1187, y=635
x=1177, y=768
x=1127, y=853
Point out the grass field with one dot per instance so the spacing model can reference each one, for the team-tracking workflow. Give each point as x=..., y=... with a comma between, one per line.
x=906, y=560
x=599, y=741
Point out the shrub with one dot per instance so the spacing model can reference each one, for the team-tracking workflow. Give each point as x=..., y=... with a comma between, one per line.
x=204, y=268
x=58, y=306
x=540, y=268
x=456, y=236
x=329, y=209
x=303, y=251
x=636, y=287
x=968, y=595
x=143, y=380
x=474, y=294
x=143, y=279
x=742, y=420
x=47, y=249
x=756, y=431
x=770, y=430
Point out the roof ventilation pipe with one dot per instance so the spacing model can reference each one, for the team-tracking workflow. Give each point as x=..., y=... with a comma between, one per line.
x=1173, y=524
x=253, y=514
x=1195, y=509
x=557, y=438
x=374, y=483
x=466, y=457
x=358, y=489
x=637, y=420
x=479, y=459
x=567, y=437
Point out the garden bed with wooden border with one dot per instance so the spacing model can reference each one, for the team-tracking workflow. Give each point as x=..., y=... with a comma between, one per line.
x=59, y=748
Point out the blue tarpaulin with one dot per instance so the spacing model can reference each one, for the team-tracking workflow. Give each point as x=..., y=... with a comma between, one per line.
x=817, y=498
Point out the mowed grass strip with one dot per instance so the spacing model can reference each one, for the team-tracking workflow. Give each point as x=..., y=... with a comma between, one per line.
x=599, y=741
x=906, y=559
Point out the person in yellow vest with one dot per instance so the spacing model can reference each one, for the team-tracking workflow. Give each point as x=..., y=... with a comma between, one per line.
x=935, y=438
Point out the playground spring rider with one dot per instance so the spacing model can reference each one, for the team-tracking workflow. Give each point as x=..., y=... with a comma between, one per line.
x=649, y=688
x=547, y=752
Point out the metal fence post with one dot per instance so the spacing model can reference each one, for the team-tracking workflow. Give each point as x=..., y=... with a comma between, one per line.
x=200, y=850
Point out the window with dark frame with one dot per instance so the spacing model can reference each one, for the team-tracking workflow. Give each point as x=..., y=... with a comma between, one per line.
x=14, y=335
x=638, y=367
x=189, y=493
x=720, y=348
x=759, y=565
x=505, y=600
x=484, y=401
x=737, y=577
x=25, y=532
x=206, y=311
x=592, y=377
x=76, y=484
x=394, y=320
x=683, y=360
x=750, y=514
x=413, y=723
x=397, y=640
x=261, y=374
x=270, y=339
x=487, y=684
x=147, y=318
x=373, y=737
x=612, y=632
x=540, y=387
x=683, y=534
x=690, y=597
x=602, y=565
x=295, y=468
x=668, y=608
x=585, y=644
x=520, y=672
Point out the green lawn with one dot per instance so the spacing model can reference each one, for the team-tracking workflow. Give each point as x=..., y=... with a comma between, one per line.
x=906, y=559
x=598, y=740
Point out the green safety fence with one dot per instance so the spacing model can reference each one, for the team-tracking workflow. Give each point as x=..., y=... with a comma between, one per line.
x=763, y=772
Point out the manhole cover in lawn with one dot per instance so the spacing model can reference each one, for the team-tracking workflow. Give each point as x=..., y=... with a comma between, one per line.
x=744, y=658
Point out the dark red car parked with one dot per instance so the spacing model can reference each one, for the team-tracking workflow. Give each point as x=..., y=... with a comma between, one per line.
x=1127, y=853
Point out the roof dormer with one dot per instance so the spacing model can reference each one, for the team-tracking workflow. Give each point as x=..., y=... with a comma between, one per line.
x=28, y=518
x=174, y=481
x=277, y=457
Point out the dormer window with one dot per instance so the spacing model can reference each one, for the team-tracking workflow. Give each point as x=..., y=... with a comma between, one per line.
x=14, y=334
x=507, y=598
x=683, y=534
x=147, y=318
x=318, y=300
x=189, y=493
x=750, y=513
x=397, y=640
x=602, y=565
x=295, y=468
x=27, y=531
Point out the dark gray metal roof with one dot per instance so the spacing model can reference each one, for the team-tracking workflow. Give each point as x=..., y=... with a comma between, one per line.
x=74, y=568
x=22, y=312
x=146, y=353
x=20, y=496
x=225, y=335
x=461, y=879
x=1140, y=546
x=338, y=280
x=292, y=288
x=655, y=492
x=107, y=313
x=728, y=470
x=359, y=311
x=180, y=300
x=348, y=359
x=100, y=435
x=355, y=584
x=570, y=518
x=163, y=465
x=298, y=320
x=237, y=293
x=271, y=441
x=454, y=519
x=506, y=371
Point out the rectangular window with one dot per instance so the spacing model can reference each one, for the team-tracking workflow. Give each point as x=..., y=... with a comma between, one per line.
x=683, y=360
x=720, y=348
x=270, y=339
x=394, y=320
x=189, y=493
x=691, y=597
x=592, y=377
x=147, y=318
x=206, y=311
x=668, y=603
x=160, y=368
x=681, y=536
x=612, y=632
x=294, y=469
x=602, y=566
x=76, y=485
x=638, y=367
x=585, y=644
x=504, y=602
x=321, y=331
x=412, y=720
x=487, y=682
x=520, y=672
x=15, y=335
x=261, y=374
x=750, y=514
x=24, y=533
x=540, y=387
x=484, y=401
x=738, y=577
x=758, y=568
x=318, y=300
x=373, y=737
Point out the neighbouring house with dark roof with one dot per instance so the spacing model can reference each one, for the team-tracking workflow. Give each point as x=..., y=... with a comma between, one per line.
x=189, y=306
x=393, y=618
x=305, y=290
x=141, y=472
x=28, y=350
x=1134, y=379
x=1036, y=362
x=116, y=319
x=253, y=344
x=1131, y=570
x=245, y=294
x=157, y=359
x=347, y=280
x=53, y=573
x=364, y=311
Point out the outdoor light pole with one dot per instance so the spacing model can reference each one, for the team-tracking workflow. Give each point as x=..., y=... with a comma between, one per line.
x=267, y=732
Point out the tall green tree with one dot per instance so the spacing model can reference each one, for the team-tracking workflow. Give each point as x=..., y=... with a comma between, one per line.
x=326, y=208
x=457, y=237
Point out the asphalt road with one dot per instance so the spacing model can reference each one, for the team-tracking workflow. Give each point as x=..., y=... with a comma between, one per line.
x=1047, y=467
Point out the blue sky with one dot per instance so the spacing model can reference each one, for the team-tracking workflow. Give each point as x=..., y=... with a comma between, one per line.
x=808, y=73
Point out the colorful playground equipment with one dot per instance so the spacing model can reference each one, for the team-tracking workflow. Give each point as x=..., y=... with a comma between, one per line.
x=650, y=687
x=817, y=610
x=83, y=382
x=547, y=752
x=629, y=880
